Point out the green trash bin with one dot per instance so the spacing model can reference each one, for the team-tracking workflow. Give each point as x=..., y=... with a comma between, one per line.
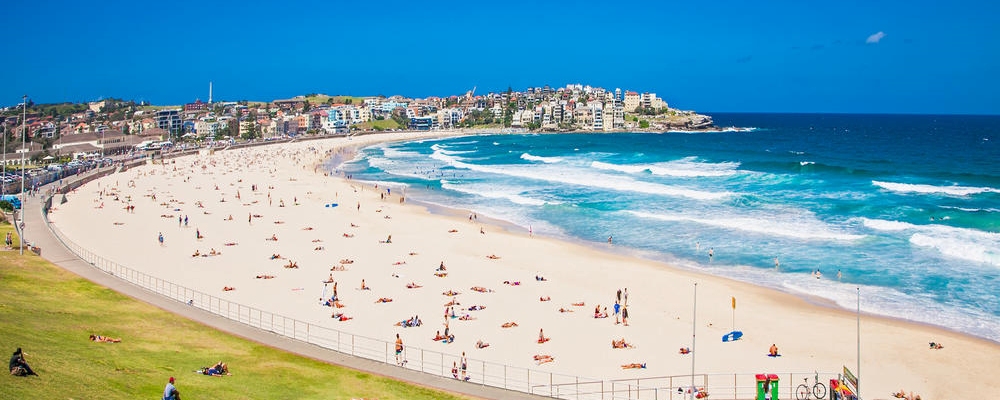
x=762, y=381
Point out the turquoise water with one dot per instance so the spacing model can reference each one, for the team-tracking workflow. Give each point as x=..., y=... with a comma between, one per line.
x=906, y=207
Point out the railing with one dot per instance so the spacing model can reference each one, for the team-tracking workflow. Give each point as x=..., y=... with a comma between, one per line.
x=431, y=362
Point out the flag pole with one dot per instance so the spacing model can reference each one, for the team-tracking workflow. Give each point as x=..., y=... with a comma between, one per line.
x=694, y=326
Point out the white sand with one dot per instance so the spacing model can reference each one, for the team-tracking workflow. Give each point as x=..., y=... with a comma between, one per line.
x=810, y=337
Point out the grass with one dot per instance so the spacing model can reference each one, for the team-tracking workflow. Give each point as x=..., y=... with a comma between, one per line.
x=50, y=312
x=379, y=125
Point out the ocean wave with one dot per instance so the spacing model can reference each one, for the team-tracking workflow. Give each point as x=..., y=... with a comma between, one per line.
x=493, y=192
x=547, y=160
x=931, y=189
x=438, y=147
x=796, y=227
x=963, y=243
x=971, y=210
x=687, y=167
x=804, y=163
x=576, y=177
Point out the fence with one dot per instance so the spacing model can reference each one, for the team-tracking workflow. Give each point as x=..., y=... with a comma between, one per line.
x=739, y=386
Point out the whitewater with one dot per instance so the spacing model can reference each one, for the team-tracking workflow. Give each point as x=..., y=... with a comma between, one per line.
x=903, y=207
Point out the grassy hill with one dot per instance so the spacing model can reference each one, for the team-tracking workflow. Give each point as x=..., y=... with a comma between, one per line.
x=50, y=313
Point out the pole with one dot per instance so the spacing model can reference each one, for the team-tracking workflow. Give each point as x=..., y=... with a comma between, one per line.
x=24, y=136
x=694, y=326
x=3, y=186
x=858, y=373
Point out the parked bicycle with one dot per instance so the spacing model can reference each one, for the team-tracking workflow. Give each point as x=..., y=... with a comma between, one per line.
x=818, y=389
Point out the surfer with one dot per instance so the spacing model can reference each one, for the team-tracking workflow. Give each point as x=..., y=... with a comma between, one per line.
x=839, y=275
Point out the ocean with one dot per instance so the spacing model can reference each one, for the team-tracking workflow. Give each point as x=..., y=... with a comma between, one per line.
x=905, y=207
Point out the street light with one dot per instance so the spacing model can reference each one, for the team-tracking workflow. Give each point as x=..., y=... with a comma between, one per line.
x=24, y=138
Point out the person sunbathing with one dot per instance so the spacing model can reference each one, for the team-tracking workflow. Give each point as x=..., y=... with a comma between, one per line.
x=493, y=257
x=230, y=243
x=412, y=285
x=292, y=264
x=512, y=283
x=347, y=261
x=450, y=293
x=685, y=350
x=317, y=240
x=481, y=289
x=477, y=308
x=340, y=316
x=441, y=274
x=545, y=298
x=633, y=366
x=508, y=324
x=213, y=252
x=384, y=300
x=543, y=358
x=579, y=304
x=353, y=225
x=399, y=263
x=601, y=315
x=453, y=231
x=561, y=309
x=197, y=253
x=104, y=339
x=273, y=238
x=438, y=336
x=466, y=317
x=348, y=235
x=227, y=288
x=481, y=344
x=308, y=228
x=275, y=256
x=319, y=248
x=620, y=344
x=936, y=346
x=265, y=276
x=541, y=337
x=338, y=268
x=453, y=302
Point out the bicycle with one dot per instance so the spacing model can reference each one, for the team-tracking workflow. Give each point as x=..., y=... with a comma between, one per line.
x=818, y=389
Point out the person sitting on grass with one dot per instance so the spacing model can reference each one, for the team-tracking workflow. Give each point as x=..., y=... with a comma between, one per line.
x=104, y=339
x=19, y=367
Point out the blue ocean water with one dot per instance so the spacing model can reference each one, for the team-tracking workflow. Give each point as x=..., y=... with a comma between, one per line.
x=906, y=207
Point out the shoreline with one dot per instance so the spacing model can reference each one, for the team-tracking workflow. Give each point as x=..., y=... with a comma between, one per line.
x=631, y=266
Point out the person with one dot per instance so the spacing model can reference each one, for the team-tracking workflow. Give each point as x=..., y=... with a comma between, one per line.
x=399, y=350
x=104, y=339
x=839, y=275
x=481, y=344
x=633, y=365
x=936, y=346
x=454, y=369
x=170, y=392
x=18, y=366
x=465, y=367
x=625, y=316
x=618, y=308
x=541, y=336
x=609, y=239
x=773, y=351
x=219, y=369
x=161, y=238
x=711, y=253
x=767, y=388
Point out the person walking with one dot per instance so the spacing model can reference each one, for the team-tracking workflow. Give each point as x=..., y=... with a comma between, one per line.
x=399, y=350
x=465, y=367
x=170, y=392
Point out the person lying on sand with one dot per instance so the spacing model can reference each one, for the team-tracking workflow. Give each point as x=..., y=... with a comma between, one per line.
x=353, y=225
x=466, y=317
x=476, y=308
x=228, y=288
x=308, y=228
x=508, y=324
x=633, y=366
x=481, y=289
x=348, y=235
x=213, y=252
x=685, y=350
x=578, y=304
x=230, y=243
x=273, y=238
x=338, y=268
x=340, y=316
x=347, y=261
x=936, y=346
x=412, y=285
x=540, y=278
x=453, y=231
x=453, y=302
x=512, y=283
x=481, y=344
x=292, y=265
x=384, y=300
x=620, y=344
x=399, y=263
x=104, y=339
x=265, y=276
x=451, y=293
x=319, y=248
x=493, y=257
x=545, y=298
x=275, y=256
x=438, y=336
x=440, y=274
x=543, y=358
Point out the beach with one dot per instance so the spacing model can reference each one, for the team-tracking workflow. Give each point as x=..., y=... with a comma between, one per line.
x=288, y=209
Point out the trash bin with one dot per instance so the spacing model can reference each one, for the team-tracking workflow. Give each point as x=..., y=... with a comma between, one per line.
x=764, y=379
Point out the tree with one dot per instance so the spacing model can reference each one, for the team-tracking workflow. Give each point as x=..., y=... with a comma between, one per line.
x=643, y=124
x=305, y=106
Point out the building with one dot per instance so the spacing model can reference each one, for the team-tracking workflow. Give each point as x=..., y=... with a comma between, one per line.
x=169, y=120
x=196, y=106
x=632, y=101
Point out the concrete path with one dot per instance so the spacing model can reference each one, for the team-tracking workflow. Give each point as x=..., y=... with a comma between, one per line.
x=38, y=233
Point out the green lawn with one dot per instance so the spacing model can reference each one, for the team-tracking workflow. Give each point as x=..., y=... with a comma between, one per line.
x=379, y=125
x=50, y=313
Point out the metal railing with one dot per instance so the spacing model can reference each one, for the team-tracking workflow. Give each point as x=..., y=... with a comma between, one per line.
x=436, y=363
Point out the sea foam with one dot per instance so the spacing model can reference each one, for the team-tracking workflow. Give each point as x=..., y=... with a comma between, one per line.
x=931, y=189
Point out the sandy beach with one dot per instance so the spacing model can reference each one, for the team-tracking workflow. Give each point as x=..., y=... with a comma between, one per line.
x=277, y=211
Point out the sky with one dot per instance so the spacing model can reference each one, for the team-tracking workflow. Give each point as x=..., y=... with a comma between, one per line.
x=891, y=56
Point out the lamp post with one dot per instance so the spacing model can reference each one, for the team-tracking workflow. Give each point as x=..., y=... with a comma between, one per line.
x=694, y=327
x=24, y=137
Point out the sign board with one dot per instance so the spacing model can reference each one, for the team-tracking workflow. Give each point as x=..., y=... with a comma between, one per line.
x=850, y=380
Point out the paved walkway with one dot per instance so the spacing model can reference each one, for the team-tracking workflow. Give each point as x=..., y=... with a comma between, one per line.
x=52, y=249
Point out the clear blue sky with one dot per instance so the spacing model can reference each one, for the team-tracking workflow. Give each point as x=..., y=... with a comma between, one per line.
x=778, y=56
